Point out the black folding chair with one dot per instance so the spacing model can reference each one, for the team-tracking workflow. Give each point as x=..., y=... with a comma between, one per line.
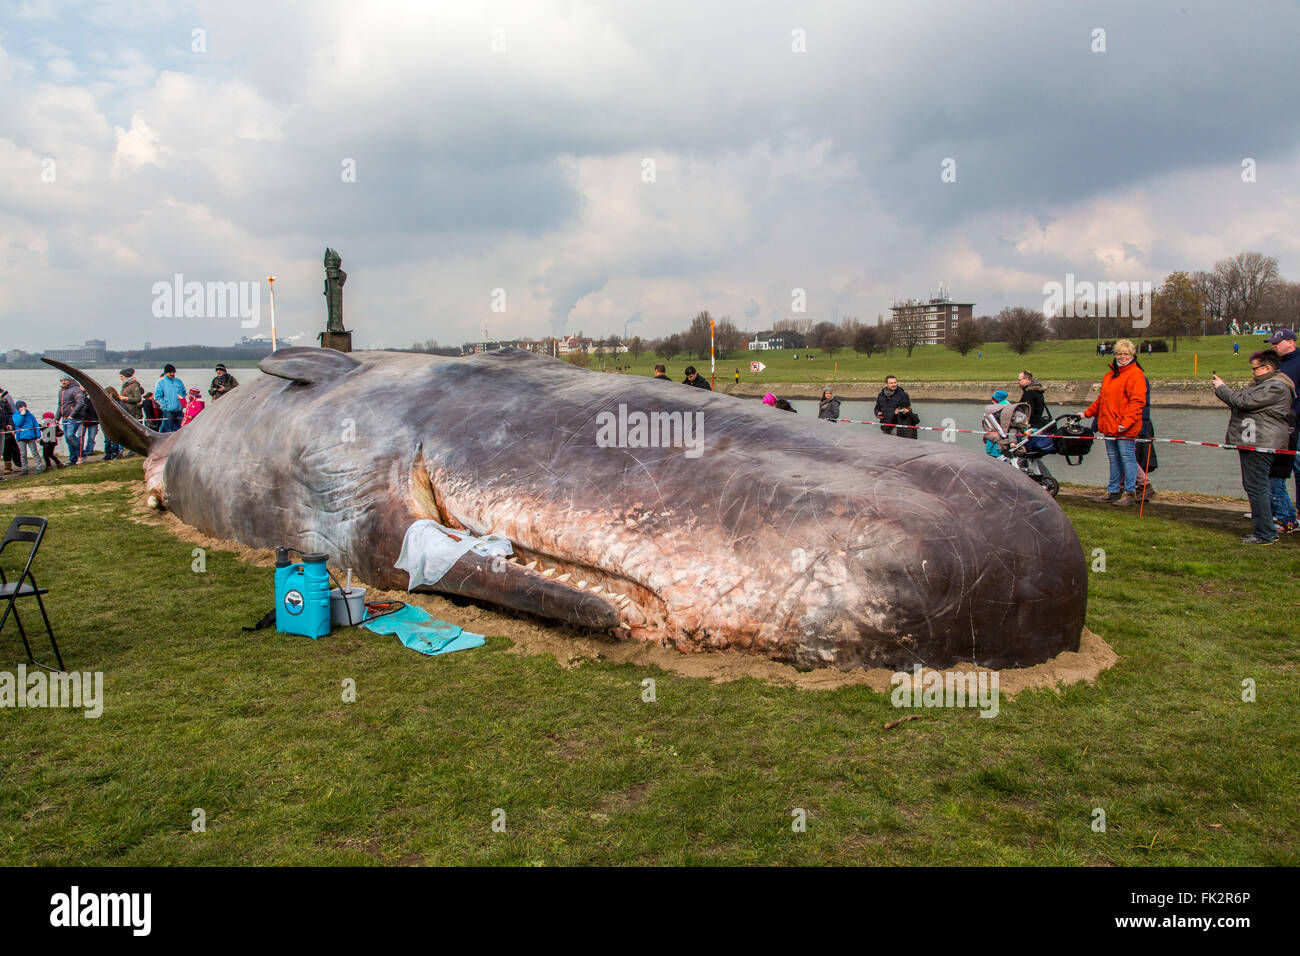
x=11, y=591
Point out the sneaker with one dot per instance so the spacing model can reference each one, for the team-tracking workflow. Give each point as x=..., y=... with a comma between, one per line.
x=1145, y=492
x=1128, y=498
x=1285, y=527
x=1256, y=539
x=1108, y=496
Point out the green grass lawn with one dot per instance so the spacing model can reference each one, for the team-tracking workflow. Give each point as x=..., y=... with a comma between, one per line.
x=1076, y=359
x=252, y=728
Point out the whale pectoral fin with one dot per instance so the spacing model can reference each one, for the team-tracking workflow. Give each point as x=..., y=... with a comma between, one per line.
x=498, y=581
x=304, y=366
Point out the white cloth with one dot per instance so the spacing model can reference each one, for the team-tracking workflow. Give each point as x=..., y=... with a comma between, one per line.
x=429, y=551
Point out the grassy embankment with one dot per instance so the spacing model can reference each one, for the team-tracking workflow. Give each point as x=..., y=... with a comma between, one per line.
x=252, y=729
x=1076, y=359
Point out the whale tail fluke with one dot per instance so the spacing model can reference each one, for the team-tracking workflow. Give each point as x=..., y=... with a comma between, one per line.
x=114, y=421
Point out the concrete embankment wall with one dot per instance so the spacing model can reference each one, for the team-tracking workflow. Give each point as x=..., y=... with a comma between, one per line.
x=1163, y=394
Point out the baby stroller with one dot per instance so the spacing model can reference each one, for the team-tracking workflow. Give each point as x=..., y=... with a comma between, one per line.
x=1007, y=430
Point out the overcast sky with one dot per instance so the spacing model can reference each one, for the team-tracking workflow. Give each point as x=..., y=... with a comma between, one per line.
x=503, y=145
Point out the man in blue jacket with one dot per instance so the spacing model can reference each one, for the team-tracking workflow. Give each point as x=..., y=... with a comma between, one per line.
x=168, y=393
x=1284, y=343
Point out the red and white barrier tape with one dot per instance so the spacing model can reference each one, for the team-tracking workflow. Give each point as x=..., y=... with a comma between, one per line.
x=1171, y=441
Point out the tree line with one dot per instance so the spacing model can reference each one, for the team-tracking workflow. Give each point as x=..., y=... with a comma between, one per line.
x=1246, y=289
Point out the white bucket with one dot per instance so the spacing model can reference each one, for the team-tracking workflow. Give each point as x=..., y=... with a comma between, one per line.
x=340, y=607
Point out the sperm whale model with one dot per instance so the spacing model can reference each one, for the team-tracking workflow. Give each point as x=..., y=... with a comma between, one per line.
x=653, y=510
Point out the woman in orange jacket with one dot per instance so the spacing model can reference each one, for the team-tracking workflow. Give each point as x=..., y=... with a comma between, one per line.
x=1119, y=415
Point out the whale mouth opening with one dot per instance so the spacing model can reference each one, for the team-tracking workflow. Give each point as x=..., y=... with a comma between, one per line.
x=641, y=613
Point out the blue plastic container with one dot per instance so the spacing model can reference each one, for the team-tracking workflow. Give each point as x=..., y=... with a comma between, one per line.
x=302, y=595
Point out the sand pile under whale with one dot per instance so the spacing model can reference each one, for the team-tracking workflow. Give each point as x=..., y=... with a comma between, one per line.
x=572, y=647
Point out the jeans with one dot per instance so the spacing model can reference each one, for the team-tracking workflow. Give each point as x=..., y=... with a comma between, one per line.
x=1254, y=479
x=72, y=435
x=31, y=457
x=171, y=421
x=1280, y=500
x=1123, y=466
x=90, y=431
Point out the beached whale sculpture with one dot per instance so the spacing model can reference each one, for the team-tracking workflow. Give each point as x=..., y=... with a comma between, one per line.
x=655, y=510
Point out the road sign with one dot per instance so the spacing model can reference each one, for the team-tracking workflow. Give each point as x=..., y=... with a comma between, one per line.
x=756, y=366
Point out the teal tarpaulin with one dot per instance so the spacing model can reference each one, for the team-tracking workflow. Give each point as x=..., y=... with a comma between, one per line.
x=420, y=632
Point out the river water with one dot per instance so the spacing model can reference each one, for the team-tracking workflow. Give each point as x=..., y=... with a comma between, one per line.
x=1182, y=467
x=1211, y=471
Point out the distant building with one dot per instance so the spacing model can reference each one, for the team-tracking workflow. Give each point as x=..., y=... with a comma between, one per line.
x=17, y=355
x=784, y=339
x=94, y=350
x=934, y=321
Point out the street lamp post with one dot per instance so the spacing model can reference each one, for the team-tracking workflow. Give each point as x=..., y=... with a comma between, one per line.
x=271, y=282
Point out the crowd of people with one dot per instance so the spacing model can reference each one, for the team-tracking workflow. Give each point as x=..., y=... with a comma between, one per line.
x=1264, y=414
x=31, y=444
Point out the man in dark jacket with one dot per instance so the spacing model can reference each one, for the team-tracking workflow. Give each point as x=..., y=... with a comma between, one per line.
x=223, y=383
x=72, y=402
x=7, y=434
x=1034, y=394
x=893, y=407
x=696, y=379
x=1284, y=343
x=661, y=373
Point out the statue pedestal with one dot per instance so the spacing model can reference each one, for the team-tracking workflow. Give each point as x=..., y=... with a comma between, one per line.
x=339, y=341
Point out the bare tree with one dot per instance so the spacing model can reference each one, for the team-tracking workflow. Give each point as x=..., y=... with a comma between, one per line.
x=1281, y=306
x=1247, y=277
x=636, y=346
x=668, y=346
x=908, y=335
x=867, y=339
x=695, y=340
x=990, y=327
x=802, y=326
x=825, y=336
x=967, y=337
x=1072, y=327
x=1178, y=308
x=1214, y=293
x=727, y=339
x=1022, y=328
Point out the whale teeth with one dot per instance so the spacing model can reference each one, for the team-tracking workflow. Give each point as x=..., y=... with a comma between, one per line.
x=582, y=584
x=548, y=572
x=623, y=600
x=564, y=577
x=624, y=625
x=597, y=589
x=513, y=560
x=530, y=565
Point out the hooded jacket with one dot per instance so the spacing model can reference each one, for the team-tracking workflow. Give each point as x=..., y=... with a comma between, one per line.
x=828, y=408
x=26, y=427
x=1266, y=402
x=71, y=402
x=1118, y=407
